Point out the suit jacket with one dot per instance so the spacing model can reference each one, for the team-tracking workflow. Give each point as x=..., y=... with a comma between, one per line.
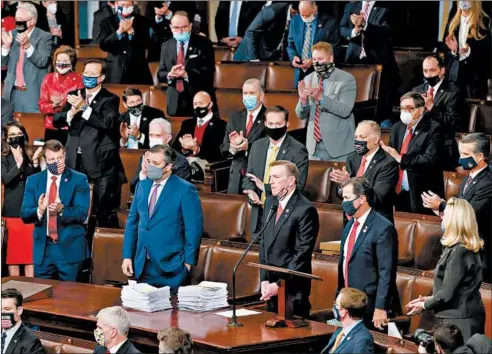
x=100, y=15
x=212, y=138
x=382, y=173
x=337, y=118
x=200, y=66
x=457, y=280
x=372, y=265
x=264, y=34
x=171, y=235
x=68, y=36
x=422, y=161
x=7, y=111
x=290, y=150
x=148, y=114
x=248, y=12
x=126, y=348
x=160, y=32
x=98, y=137
x=181, y=168
x=359, y=340
x=289, y=243
x=74, y=193
x=448, y=106
x=24, y=341
x=127, y=61
x=35, y=67
x=237, y=122
x=326, y=30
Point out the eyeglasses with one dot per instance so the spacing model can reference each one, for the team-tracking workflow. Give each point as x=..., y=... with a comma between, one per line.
x=179, y=29
x=407, y=109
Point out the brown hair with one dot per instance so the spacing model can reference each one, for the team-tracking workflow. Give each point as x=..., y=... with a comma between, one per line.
x=176, y=339
x=324, y=46
x=104, y=67
x=182, y=13
x=290, y=167
x=278, y=109
x=65, y=49
x=53, y=145
x=28, y=151
x=476, y=20
x=131, y=91
x=354, y=301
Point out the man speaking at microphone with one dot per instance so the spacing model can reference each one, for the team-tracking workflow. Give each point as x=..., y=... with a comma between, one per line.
x=288, y=239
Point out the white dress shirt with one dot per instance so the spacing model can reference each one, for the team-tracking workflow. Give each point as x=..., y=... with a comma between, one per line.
x=361, y=221
x=88, y=111
x=255, y=114
x=283, y=203
x=474, y=174
x=369, y=159
x=10, y=334
x=47, y=195
x=463, y=35
x=435, y=87
x=132, y=143
x=29, y=51
x=114, y=350
x=204, y=120
x=347, y=330
x=404, y=183
x=371, y=5
x=159, y=191
x=270, y=148
x=239, y=3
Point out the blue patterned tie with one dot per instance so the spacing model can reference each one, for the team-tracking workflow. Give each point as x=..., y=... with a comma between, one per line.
x=233, y=21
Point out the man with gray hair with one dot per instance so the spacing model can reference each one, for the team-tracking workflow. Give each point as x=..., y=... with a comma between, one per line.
x=160, y=134
x=111, y=333
x=243, y=129
x=27, y=53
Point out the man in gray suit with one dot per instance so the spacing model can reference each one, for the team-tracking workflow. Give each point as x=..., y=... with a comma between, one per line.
x=278, y=145
x=7, y=111
x=327, y=98
x=26, y=51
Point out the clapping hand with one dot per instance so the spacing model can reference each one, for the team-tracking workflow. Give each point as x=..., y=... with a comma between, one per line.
x=42, y=203
x=56, y=31
x=23, y=40
x=77, y=101
x=339, y=176
x=429, y=101
x=56, y=207
x=36, y=156
x=258, y=182
x=134, y=131
x=57, y=100
x=188, y=142
x=416, y=306
x=7, y=38
x=125, y=26
x=431, y=200
x=145, y=163
x=177, y=71
x=301, y=89
x=124, y=132
x=18, y=156
x=452, y=43
x=465, y=49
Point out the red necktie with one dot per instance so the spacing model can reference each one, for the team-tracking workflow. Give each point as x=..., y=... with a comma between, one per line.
x=52, y=220
x=431, y=92
x=366, y=17
x=250, y=124
x=180, y=60
x=87, y=98
x=317, y=129
x=362, y=167
x=350, y=248
x=279, y=213
x=467, y=184
x=404, y=149
x=19, y=69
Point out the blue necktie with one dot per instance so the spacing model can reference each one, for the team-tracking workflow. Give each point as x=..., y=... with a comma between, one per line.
x=4, y=338
x=233, y=21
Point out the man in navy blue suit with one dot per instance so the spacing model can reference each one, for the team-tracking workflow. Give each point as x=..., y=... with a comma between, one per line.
x=164, y=226
x=354, y=337
x=369, y=253
x=57, y=202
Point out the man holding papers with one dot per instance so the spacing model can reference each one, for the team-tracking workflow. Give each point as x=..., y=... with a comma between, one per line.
x=164, y=226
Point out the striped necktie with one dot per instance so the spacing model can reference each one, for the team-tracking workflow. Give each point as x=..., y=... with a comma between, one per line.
x=306, y=48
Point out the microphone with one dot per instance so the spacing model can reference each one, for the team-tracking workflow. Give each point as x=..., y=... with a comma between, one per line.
x=273, y=210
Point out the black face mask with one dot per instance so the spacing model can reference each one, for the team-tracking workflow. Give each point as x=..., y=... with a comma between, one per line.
x=136, y=110
x=324, y=69
x=17, y=141
x=201, y=112
x=361, y=147
x=276, y=133
x=21, y=26
x=432, y=81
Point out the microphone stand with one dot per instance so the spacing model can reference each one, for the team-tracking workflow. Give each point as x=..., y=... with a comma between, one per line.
x=234, y=322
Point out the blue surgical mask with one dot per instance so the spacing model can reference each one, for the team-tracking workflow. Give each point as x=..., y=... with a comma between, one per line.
x=90, y=82
x=182, y=36
x=53, y=168
x=250, y=102
x=336, y=313
x=349, y=208
x=154, y=173
x=468, y=163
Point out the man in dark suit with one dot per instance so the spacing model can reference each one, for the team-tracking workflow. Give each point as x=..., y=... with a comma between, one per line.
x=187, y=66
x=277, y=145
x=159, y=15
x=201, y=135
x=242, y=130
x=233, y=18
x=369, y=253
x=444, y=103
x=160, y=134
x=374, y=164
x=289, y=238
x=91, y=116
x=126, y=38
x=17, y=337
x=366, y=25
x=476, y=188
x=113, y=324
x=134, y=123
x=353, y=337
x=7, y=111
x=416, y=144
x=105, y=11
x=266, y=37
x=52, y=20
x=307, y=29
x=56, y=201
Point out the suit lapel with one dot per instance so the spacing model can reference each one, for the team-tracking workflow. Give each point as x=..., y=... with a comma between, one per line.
x=346, y=339
x=419, y=131
x=256, y=124
x=473, y=185
x=439, y=94
x=166, y=192
x=378, y=156
x=64, y=191
x=284, y=148
x=284, y=216
x=145, y=199
x=189, y=51
x=15, y=340
x=264, y=157
x=363, y=233
x=174, y=52
x=331, y=341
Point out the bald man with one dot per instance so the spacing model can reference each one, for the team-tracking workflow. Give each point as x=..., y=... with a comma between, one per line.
x=201, y=135
x=373, y=163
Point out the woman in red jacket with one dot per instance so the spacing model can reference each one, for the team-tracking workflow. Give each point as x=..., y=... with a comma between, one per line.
x=55, y=88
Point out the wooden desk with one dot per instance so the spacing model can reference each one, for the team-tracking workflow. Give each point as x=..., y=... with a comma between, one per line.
x=74, y=306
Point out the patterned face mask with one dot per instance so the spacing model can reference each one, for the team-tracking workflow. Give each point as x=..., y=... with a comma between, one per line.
x=99, y=337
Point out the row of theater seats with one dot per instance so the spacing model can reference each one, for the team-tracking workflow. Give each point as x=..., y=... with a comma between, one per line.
x=217, y=259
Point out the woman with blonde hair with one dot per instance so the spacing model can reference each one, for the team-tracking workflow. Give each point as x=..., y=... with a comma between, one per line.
x=456, y=295
x=468, y=49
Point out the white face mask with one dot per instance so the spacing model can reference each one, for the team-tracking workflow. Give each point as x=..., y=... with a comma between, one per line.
x=406, y=117
x=464, y=5
x=63, y=71
x=155, y=141
x=126, y=11
x=309, y=19
x=52, y=8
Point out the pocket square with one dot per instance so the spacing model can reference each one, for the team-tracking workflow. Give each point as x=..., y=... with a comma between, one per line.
x=193, y=56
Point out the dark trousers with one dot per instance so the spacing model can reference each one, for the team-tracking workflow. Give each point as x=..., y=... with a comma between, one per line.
x=152, y=275
x=54, y=265
x=58, y=134
x=106, y=196
x=403, y=203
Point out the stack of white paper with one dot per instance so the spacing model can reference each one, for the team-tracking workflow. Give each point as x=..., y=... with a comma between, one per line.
x=144, y=297
x=206, y=296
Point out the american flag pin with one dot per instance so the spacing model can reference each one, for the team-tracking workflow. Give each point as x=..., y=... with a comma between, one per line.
x=287, y=211
x=365, y=229
x=416, y=133
x=283, y=151
x=66, y=179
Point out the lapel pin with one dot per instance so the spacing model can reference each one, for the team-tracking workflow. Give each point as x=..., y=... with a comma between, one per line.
x=283, y=151
x=144, y=119
x=417, y=132
x=66, y=179
x=211, y=123
x=365, y=229
x=287, y=211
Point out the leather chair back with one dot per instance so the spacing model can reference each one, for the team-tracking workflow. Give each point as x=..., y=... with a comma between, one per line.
x=176, y=123
x=222, y=53
x=486, y=292
x=228, y=102
x=233, y=75
x=385, y=136
x=427, y=243
x=484, y=119
x=405, y=226
x=158, y=99
x=452, y=184
x=154, y=68
x=318, y=182
x=367, y=78
x=330, y=223
x=469, y=125
x=107, y=246
x=118, y=91
x=130, y=159
x=34, y=124
x=90, y=51
x=323, y=293
x=288, y=100
x=198, y=271
x=280, y=78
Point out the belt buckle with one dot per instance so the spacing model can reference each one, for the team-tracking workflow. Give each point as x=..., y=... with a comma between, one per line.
x=21, y=88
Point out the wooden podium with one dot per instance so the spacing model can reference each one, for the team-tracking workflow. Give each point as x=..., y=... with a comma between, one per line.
x=30, y=291
x=285, y=316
